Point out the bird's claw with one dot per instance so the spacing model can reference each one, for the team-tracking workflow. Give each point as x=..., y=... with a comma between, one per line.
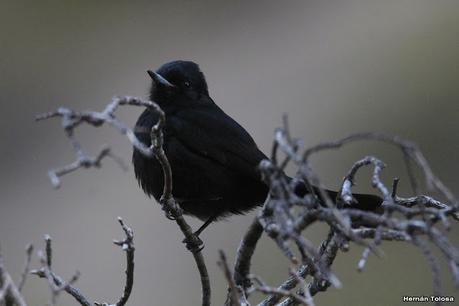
x=194, y=244
x=168, y=211
x=169, y=215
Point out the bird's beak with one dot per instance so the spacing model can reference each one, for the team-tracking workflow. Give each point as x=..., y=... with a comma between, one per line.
x=158, y=79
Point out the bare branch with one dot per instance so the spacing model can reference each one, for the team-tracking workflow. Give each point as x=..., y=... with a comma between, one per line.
x=236, y=294
x=245, y=252
x=9, y=293
x=346, y=194
x=409, y=149
x=57, y=284
x=261, y=286
x=126, y=245
x=25, y=272
x=72, y=119
x=422, y=245
x=285, y=215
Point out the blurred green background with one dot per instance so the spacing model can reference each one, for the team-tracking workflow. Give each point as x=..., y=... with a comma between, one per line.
x=335, y=67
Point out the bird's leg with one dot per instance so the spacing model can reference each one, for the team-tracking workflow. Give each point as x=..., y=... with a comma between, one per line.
x=196, y=244
x=206, y=224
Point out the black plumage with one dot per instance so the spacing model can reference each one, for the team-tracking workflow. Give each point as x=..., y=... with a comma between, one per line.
x=214, y=160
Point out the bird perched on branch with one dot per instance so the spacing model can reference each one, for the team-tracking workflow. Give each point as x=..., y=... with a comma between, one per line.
x=214, y=160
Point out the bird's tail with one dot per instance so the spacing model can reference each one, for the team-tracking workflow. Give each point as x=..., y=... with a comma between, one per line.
x=364, y=201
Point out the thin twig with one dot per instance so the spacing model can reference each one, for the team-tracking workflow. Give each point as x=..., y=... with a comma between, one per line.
x=57, y=284
x=126, y=245
x=245, y=252
x=25, y=272
x=261, y=286
x=236, y=297
x=409, y=149
x=9, y=293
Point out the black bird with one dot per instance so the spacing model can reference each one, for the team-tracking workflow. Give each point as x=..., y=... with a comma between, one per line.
x=214, y=160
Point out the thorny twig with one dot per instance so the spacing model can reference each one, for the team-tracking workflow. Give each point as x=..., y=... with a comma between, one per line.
x=72, y=119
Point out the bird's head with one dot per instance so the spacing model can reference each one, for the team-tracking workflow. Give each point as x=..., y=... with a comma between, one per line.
x=177, y=80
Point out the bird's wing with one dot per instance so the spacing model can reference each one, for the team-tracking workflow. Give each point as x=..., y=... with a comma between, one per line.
x=209, y=132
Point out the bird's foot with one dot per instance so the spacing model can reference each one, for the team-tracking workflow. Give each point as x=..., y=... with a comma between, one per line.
x=170, y=208
x=169, y=214
x=194, y=244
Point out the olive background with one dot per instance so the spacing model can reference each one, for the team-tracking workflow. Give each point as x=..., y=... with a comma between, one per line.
x=335, y=67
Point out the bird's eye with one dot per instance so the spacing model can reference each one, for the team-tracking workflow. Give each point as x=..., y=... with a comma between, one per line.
x=187, y=84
